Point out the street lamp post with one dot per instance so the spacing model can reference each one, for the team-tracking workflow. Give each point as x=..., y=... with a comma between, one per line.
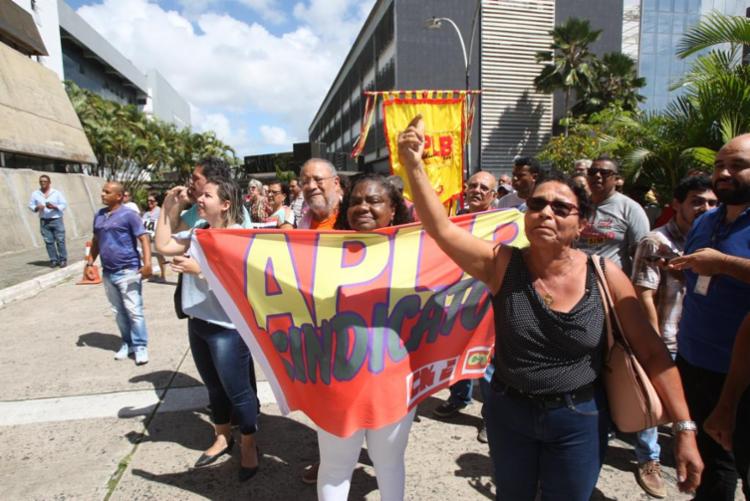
x=435, y=23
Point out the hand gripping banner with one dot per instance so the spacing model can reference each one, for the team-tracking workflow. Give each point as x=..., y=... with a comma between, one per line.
x=355, y=329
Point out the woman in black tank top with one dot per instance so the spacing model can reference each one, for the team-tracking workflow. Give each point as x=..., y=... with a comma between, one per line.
x=547, y=417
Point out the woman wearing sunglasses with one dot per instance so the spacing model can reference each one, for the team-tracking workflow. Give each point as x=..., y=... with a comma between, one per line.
x=546, y=417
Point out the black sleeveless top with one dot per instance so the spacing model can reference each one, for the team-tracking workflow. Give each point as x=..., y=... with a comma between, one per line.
x=540, y=351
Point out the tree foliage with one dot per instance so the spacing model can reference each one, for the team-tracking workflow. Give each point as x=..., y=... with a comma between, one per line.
x=135, y=149
x=659, y=149
x=571, y=66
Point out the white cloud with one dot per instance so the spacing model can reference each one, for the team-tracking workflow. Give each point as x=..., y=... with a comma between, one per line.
x=275, y=135
x=230, y=67
x=268, y=9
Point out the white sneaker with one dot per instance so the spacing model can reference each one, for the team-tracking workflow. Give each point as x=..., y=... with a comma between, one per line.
x=123, y=352
x=141, y=355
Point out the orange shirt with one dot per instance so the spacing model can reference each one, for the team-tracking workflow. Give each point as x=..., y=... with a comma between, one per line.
x=325, y=224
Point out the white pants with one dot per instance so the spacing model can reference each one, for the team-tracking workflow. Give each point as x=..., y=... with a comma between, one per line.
x=386, y=447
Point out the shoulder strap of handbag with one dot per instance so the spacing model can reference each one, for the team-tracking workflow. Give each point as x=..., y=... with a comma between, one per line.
x=613, y=330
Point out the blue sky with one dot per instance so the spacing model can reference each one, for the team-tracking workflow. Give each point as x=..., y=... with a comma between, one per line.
x=254, y=71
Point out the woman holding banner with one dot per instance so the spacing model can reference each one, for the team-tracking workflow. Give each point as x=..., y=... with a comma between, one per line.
x=547, y=417
x=372, y=203
x=220, y=354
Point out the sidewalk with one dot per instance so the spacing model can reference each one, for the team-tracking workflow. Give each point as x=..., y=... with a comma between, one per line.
x=78, y=425
x=19, y=267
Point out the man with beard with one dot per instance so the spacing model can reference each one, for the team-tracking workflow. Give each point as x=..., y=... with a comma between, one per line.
x=321, y=189
x=480, y=193
x=526, y=170
x=660, y=292
x=717, y=298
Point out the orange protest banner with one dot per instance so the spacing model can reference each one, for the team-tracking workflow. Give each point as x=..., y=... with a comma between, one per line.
x=355, y=329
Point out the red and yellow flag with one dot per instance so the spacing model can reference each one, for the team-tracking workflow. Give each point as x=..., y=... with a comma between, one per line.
x=443, y=115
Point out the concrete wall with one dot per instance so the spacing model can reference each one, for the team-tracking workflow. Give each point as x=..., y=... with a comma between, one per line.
x=21, y=226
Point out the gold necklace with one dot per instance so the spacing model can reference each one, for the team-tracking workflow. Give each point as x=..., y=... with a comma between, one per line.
x=547, y=297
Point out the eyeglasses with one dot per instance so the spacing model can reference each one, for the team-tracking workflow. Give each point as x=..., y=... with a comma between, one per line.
x=559, y=208
x=317, y=180
x=151, y=201
x=605, y=173
x=273, y=193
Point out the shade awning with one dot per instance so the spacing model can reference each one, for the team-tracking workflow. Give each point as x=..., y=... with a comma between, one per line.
x=19, y=28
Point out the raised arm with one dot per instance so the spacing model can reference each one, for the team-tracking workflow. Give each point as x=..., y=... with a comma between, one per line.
x=478, y=258
x=163, y=240
x=652, y=354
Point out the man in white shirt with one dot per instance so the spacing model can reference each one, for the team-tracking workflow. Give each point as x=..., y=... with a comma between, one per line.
x=50, y=204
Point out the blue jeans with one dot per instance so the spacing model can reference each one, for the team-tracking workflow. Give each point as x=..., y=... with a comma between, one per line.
x=53, y=234
x=559, y=450
x=647, y=445
x=123, y=290
x=224, y=363
x=461, y=391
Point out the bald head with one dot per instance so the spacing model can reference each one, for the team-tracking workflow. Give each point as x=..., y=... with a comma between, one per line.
x=112, y=194
x=480, y=191
x=731, y=179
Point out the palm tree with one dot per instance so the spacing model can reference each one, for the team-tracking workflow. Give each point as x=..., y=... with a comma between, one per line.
x=571, y=66
x=715, y=29
x=617, y=81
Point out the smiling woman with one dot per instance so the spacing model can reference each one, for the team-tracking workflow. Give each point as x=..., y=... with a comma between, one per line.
x=372, y=203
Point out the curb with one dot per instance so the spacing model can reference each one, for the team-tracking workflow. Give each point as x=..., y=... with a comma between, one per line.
x=32, y=287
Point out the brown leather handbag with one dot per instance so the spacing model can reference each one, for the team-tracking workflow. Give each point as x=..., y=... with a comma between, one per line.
x=633, y=402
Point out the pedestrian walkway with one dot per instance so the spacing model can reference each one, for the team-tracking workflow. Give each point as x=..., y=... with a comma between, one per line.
x=22, y=266
x=76, y=424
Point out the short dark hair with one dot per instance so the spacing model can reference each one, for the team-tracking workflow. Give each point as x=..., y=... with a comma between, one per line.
x=584, y=201
x=691, y=183
x=284, y=188
x=215, y=168
x=607, y=158
x=401, y=215
x=45, y=176
x=531, y=162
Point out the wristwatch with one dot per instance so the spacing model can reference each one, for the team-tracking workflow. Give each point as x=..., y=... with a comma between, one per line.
x=685, y=425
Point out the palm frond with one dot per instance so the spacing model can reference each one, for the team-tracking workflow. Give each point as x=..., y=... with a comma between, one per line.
x=714, y=29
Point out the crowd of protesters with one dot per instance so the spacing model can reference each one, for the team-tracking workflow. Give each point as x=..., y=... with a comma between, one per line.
x=681, y=290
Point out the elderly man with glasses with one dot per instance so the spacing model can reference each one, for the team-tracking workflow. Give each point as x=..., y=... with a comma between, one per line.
x=321, y=189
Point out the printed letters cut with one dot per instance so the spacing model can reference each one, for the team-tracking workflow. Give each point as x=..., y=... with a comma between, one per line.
x=355, y=329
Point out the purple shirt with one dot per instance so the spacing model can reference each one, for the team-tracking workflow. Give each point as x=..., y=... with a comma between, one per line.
x=117, y=236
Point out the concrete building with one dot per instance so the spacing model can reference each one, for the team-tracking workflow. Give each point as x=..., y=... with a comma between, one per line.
x=78, y=53
x=661, y=25
x=394, y=50
x=38, y=127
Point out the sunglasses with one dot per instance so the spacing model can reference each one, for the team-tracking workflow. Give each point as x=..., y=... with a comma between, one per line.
x=605, y=173
x=559, y=208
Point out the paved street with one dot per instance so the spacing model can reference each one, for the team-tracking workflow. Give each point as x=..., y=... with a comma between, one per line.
x=75, y=424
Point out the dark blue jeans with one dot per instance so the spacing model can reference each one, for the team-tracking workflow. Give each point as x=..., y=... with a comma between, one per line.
x=53, y=234
x=224, y=363
x=558, y=451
